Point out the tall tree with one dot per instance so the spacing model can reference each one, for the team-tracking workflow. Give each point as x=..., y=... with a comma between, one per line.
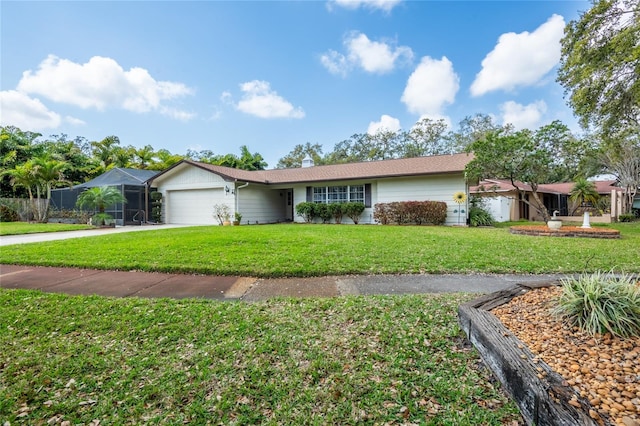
x=22, y=176
x=49, y=173
x=471, y=129
x=249, y=161
x=165, y=160
x=294, y=158
x=104, y=151
x=621, y=157
x=384, y=144
x=16, y=148
x=144, y=157
x=516, y=156
x=426, y=137
x=570, y=155
x=600, y=65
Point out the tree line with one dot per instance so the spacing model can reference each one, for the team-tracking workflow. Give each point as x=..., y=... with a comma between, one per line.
x=599, y=69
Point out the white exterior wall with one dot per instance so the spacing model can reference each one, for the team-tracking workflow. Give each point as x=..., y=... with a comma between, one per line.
x=205, y=189
x=427, y=188
x=500, y=207
x=261, y=204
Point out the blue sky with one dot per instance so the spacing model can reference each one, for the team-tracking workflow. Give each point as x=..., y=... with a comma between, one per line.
x=217, y=75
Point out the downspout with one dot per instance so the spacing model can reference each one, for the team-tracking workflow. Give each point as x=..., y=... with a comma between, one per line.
x=238, y=194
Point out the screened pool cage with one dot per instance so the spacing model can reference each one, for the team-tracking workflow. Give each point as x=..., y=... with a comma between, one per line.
x=131, y=183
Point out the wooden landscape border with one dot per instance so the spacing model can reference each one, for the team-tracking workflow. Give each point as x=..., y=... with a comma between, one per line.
x=541, y=394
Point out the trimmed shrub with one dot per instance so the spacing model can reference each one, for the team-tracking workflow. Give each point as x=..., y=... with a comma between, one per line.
x=336, y=211
x=306, y=210
x=600, y=303
x=411, y=212
x=381, y=213
x=353, y=211
x=323, y=212
x=156, y=206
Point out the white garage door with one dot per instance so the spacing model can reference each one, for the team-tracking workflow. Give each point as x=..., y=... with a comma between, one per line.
x=193, y=206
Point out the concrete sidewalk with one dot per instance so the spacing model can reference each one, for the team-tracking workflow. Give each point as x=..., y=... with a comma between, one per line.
x=142, y=284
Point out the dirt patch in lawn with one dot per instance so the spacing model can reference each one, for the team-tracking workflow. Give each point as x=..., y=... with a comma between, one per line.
x=565, y=231
x=604, y=370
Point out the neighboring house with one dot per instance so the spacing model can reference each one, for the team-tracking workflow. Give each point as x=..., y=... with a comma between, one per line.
x=190, y=189
x=505, y=203
x=130, y=182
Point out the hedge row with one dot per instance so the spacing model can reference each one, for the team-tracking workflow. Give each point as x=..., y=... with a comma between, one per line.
x=310, y=211
x=411, y=212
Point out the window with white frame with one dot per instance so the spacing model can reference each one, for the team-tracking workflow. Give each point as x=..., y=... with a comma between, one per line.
x=320, y=194
x=356, y=193
x=339, y=194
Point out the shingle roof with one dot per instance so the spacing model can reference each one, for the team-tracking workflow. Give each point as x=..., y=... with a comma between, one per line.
x=418, y=166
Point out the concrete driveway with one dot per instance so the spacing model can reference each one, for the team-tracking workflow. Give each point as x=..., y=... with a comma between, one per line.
x=53, y=236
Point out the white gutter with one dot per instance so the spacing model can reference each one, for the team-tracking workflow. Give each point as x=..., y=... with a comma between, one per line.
x=238, y=194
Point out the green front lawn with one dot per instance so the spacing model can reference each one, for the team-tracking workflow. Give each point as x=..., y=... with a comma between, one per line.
x=348, y=360
x=316, y=250
x=19, y=228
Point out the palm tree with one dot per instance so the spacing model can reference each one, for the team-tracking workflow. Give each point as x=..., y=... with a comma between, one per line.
x=23, y=175
x=99, y=198
x=49, y=173
x=583, y=192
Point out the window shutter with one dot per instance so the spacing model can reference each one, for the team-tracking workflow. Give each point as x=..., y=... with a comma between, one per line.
x=367, y=195
x=309, y=194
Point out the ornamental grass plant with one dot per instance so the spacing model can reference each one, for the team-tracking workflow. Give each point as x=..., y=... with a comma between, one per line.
x=601, y=302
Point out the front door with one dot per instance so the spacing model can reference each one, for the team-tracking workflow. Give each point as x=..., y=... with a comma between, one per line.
x=288, y=199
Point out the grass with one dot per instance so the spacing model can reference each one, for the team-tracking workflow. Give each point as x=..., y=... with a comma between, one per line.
x=20, y=228
x=317, y=250
x=348, y=360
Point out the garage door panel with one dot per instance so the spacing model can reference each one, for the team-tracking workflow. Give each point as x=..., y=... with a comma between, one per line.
x=193, y=206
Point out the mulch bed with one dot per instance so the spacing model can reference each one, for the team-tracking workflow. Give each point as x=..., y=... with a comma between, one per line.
x=565, y=231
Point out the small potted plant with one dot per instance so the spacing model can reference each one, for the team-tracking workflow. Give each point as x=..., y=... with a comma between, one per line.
x=222, y=213
x=237, y=218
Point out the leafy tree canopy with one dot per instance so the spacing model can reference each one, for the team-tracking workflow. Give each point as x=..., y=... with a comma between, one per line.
x=600, y=65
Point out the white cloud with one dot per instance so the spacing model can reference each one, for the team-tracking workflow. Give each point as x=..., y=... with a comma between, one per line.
x=431, y=86
x=520, y=59
x=176, y=114
x=384, y=5
x=523, y=116
x=74, y=121
x=101, y=83
x=259, y=100
x=372, y=56
x=336, y=63
x=386, y=123
x=20, y=110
